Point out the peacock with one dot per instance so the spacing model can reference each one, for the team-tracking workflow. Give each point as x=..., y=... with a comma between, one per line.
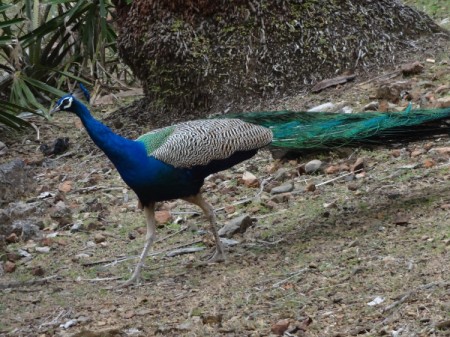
x=173, y=162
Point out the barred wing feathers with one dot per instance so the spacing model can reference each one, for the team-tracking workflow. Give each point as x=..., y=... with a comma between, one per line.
x=199, y=142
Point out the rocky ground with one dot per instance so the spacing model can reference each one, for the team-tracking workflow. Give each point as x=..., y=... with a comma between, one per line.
x=359, y=244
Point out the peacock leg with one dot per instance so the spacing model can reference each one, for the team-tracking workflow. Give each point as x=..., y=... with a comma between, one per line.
x=219, y=254
x=150, y=238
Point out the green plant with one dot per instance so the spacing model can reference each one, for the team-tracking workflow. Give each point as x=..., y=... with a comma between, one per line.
x=44, y=45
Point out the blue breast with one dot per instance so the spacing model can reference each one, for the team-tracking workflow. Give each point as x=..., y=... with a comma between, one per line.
x=153, y=180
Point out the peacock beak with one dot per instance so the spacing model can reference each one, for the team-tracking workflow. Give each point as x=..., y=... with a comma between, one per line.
x=55, y=109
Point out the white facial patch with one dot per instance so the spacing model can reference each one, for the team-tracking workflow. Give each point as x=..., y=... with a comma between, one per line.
x=69, y=101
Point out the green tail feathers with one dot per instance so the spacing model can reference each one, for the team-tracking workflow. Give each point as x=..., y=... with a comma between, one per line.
x=323, y=130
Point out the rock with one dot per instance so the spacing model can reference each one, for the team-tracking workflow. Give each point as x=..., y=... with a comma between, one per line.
x=417, y=153
x=326, y=107
x=358, y=165
x=333, y=169
x=9, y=267
x=372, y=106
x=442, y=88
x=163, y=217
x=76, y=227
x=281, y=174
x=42, y=250
x=237, y=225
x=282, y=189
x=413, y=68
x=61, y=213
x=392, y=91
x=443, y=102
x=280, y=198
x=313, y=166
x=58, y=146
x=311, y=187
x=249, y=179
x=352, y=187
x=15, y=181
x=428, y=163
x=65, y=186
x=38, y=271
x=20, y=210
x=27, y=229
x=280, y=327
x=12, y=238
x=99, y=238
x=441, y=150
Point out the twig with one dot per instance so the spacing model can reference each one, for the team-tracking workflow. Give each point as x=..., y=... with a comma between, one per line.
x=244, y=201
x=99, y=279
x=277, y=284
x=173, y=234
x=28, y=283
x=410, y=293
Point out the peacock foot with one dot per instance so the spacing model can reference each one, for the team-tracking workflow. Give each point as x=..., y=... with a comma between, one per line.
x=218, y=256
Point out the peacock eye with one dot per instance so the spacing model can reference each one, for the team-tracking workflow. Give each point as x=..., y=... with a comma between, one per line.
x=66, y=103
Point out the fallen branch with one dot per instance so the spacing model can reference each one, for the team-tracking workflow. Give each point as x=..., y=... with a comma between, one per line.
x=28, y=283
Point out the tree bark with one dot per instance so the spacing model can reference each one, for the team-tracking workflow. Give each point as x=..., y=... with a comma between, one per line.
x=198, y=57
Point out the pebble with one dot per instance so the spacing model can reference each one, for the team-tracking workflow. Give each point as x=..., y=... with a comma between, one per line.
x=313, y=166
x=9, y=267
x=280, y=327
x=282, y=188
x=372, y=106
x=163, y=217
x=280, y=198
x=99, y=238
x=43, y=250
x=237, y=225
x=310, y=187
x=352, y=187
x=38, y=271
x=358, y=165
x=12, y=238
x=249, y=179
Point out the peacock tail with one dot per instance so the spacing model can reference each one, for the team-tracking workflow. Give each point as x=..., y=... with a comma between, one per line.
x=197, y=143
x=326, y=130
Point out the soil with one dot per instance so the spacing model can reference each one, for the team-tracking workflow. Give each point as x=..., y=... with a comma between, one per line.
x=364, y=254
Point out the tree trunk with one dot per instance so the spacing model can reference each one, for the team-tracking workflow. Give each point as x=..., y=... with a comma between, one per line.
x=198, y=57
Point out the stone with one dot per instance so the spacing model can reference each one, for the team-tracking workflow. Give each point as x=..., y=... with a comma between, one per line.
x=358, y=165
x=333, y=169
x=237, y=225
x=372, y=106
x=27, y=229
x=61, y=213
x=99, y=238
x=280, y=198
x=249, y=179
x=281, y=174
x=163, y=217
x=12, y=238
x=443, y=102
x=282, y=188
x=15, y=181
x=38, y=271
x=413, y=68
x=311, y=187
x=280, y=327
x=9, y=267
x=313, y=166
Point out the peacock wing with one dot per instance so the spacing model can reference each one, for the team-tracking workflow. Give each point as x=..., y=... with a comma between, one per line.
x=202, y=141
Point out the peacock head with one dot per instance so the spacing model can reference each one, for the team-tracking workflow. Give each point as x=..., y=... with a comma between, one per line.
x=68, y=102
x=65, y=103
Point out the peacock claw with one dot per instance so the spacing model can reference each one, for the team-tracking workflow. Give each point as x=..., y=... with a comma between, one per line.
x=217, y=257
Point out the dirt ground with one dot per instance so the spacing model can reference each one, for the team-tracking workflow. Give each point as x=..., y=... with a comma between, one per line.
x=364, y=254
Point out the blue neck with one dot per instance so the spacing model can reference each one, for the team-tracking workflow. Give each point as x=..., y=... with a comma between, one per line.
x=114, y=146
